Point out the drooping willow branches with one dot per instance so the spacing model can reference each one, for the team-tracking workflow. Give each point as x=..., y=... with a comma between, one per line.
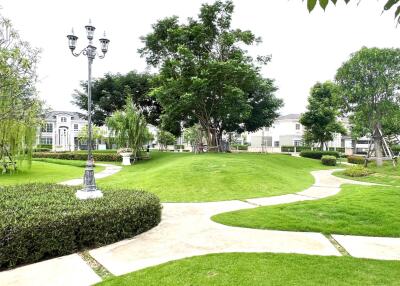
x=20, y=108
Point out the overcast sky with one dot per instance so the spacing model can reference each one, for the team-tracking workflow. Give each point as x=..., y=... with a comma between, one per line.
x=305, y=48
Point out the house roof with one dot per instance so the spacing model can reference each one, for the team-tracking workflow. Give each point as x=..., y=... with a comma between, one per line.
x=290, y=116
x=77, y=115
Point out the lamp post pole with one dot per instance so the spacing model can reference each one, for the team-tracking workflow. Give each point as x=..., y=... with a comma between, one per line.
x=89, y=190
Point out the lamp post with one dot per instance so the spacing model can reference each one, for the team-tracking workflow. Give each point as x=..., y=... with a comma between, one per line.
x=89, y=190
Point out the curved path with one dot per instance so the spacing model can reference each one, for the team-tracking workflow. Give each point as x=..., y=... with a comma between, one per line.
x=108, y=171
x=187, y=230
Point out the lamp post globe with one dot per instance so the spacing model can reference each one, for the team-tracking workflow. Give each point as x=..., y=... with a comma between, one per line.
x=89, y=190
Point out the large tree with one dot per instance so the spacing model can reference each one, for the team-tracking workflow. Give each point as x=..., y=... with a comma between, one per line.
x=370, y=83
x=207, y=77
x=20, y=109
x=321, y=117
x=109, y=94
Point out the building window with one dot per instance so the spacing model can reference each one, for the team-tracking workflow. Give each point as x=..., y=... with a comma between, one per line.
x=76, y=127
x=46, y=140
x=63, y=119
x=276, y=143
x=47, y=127
x=297, y=126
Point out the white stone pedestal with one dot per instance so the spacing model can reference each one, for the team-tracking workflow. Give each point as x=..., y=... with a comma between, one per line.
x=84, y=195
x=126, y=159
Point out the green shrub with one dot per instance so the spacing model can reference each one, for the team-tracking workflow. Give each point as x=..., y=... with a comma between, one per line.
x=357, y=171
x=328, y=160
x=177, y=147
x=291, y=148
x=41, y=150
x=339, y=149
x=396, y=149
x=41, y=221
x=315, y=154
x=110, y=157
x=242, y=147
x=355, y=160
x=45, y=146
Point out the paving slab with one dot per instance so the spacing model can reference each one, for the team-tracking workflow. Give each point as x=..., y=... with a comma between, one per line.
x=385, y=248
x=62, y=271
x=278, y=200
x=108, y=171
x=186, y=230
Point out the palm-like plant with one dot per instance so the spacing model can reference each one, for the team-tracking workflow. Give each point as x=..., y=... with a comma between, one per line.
x=129, y=127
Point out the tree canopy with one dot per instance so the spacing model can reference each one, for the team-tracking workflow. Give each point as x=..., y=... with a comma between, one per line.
x=109, y=94
x=321, y=117
x=369, y=84
x=20, y=109
x=207, y=77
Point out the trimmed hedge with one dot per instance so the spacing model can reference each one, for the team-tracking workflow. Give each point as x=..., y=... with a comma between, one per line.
x=315, y=154
x=328, y=160
x=356, y=160
x=291, y=148
x=40, y=221
x=357, y=171
x=395, y=149
x=339, y=149
x=243, y=147
x=110, y=157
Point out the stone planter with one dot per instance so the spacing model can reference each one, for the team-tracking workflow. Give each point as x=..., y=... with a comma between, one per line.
x=126, y=159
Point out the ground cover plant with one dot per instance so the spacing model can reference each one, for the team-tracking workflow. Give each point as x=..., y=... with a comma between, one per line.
x=387, y=174
x=248, y=269
x=44, y=172
x=356, y=210
x=181, y=177
x=39, y=221
x=97, y=156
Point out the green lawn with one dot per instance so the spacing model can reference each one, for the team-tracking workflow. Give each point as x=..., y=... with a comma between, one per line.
x=264, y=269
x=45, y=172
x=357, y=210
x=387, y=174
x=186, y=177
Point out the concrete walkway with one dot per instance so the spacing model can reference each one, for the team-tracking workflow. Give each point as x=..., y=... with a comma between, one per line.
x=187, y=230
x=108, y=171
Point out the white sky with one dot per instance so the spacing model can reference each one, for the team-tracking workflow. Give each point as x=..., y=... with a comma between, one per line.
x=305, y=47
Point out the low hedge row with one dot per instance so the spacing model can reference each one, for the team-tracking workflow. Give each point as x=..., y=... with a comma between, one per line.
x=355, y=160
x=328, y=160
x=41, y=221
x=396, y=149
x=239, y=147
x=110, y=157
x=291, y=148
x=315, y=154
x=339, y=149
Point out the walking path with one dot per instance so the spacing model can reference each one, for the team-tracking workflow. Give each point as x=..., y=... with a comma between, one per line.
x=187, y=230
x=108, y=171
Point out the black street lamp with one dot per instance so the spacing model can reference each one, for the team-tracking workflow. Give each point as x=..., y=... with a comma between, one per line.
x=89, y=190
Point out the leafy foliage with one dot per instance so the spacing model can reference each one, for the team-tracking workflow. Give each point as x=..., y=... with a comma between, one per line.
x=129, y=127
x=328, y=160
x=165, y=138
x=357, y=171
x=320, y=119
x=20, y=109
x=206, y=77
x=109, y=94
x=107, y=157
x=356, y=160
x=390, y=4
x=40, y=221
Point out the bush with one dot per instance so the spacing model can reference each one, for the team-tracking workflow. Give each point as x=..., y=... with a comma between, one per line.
x=396, y=149
x=44, y=146
x=240, y=147
x=357, y=171
x=41, y=221
x=356, y=160
x=110, y=157
x=339, y=149
x=291, y=148
x=315, y=154
x=328, y=160
x=41, y=150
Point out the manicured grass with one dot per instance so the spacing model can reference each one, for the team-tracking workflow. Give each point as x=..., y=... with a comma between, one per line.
x=180, y=177
x=264, y=269
x=76, y=163
x=44, y=172
x=387, y=174
x=357, y=210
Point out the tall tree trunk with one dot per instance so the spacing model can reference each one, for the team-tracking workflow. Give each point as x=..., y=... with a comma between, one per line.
x=378, y=144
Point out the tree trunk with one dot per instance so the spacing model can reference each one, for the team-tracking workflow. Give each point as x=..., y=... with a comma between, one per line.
x=378, y=144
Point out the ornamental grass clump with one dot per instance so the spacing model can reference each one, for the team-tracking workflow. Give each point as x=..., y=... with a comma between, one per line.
x=40, y=221
x=357, y=171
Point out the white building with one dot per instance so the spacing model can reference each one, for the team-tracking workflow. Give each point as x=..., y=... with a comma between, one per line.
x=288, y=131
x=61, y=129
